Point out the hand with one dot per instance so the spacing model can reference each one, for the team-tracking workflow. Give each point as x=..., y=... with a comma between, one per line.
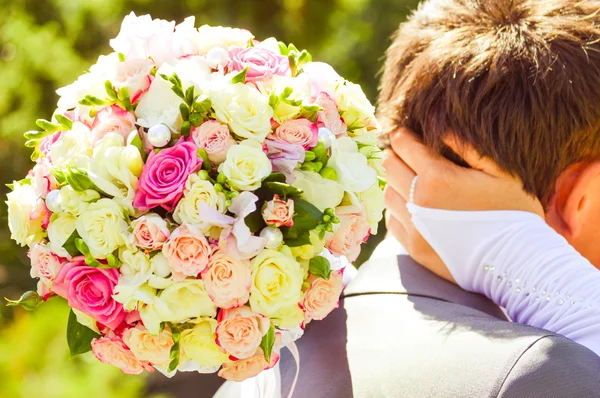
x=444, y=185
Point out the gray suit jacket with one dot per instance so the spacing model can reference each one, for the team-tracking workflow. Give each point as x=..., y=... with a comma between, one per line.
x=401, y=331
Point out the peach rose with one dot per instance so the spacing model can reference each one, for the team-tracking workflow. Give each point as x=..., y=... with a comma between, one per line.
x=187, y=251
x=279, y=213
x=147, y=347
x=352, y=231
x=243, y=369
x=227, y=280
x=214, y=137
x=112, y=351
x=323, y=296
x=149, y=232
x=301, y=132
x=330, y=117
x=44, y=263
x=240, y=331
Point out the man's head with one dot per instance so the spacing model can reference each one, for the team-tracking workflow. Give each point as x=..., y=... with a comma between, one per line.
x=518, y=80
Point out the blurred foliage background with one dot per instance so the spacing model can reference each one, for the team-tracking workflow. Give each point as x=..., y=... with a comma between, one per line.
x=46, y=44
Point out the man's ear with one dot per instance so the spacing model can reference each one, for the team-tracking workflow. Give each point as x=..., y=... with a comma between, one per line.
x=576, y=199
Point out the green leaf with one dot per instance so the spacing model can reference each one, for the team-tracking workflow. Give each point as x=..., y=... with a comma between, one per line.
x=283, y=48
x=70, y=245
x=282, y=189
x=185, y=112
x=196, y=119
x=65, y=121
x=82, y=247
x=275, y=177
x=189, y=95
x=11, y=186
x=320, y=267
x=79, y=337
x=185, y=129
x=255, y=221
x=175, y=350
x=121, y=57
x=125, y=99
x=202, y=154
x=298, y=241
x=47, y=126
x=110, y=90
x=202, y=104
x=29, y=300
x=267, y=343
x=240, y=77
x=306, y=215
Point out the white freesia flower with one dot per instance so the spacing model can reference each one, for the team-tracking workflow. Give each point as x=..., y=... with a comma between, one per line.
x=194, y=71
x=160, y=105
x=300, y=86
x=74, y=143
x=198, y=191
x=321, y=192
x=114, y=168
x=367, y=144
x=102, y=227
x=246, y=166
x=75, y=202
x=244, y=109
x=372, y=199
x=351, y=166
x=354, y=106
x=60, y=229
x=22, y=203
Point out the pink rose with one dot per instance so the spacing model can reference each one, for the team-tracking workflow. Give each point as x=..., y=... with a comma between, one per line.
x=214, y=137
x=298, y=132
x=149, y=232
x=262, y=64
x=135, y=75
x=321, y=76
x=44, y=263
x=243, y=369
x=112, y=119
x=279, y=213
x=353, y=230
x=323, y=296
x=112, y=351
x=330, y=117
x=42, y=179
x=227, y=280
x=90, y=290
x=240, y=331
x=164, y=176
x=188, y=252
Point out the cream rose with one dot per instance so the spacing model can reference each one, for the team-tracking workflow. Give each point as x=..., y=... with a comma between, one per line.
x=214, y=137
x=102, y=227
x=160, y=105
x=279, y=213
x=246, y=166
x=276, y=281
x=149, y=348
x=322, y=296
x=314, y=186
x=60, y=229
x=240, y=331
x=244, y=109
x=187, y=251
x=23, y=203
x=352, y=231
x=351, y=166
x=221, y=37
x=227, y=280
x=197, y=191
x=372, y=200
x=243, y=369
x=112, y=351
x=72, y=144
x=75, y=202
x=198, y=344
x=354, y=106
x=44, y=263
x=135, y=268
x=300, y=86
x=149, y=232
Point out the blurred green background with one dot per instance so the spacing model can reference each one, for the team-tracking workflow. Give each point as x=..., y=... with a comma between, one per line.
x=46, y=44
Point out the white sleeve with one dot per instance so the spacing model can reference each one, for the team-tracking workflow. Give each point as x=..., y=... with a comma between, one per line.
x=519, y=262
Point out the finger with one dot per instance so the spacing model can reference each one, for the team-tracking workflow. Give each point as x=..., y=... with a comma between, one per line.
x=398, y=174
x=470, y=155
x=396, y=205
x=396, y=229
x=412, y=151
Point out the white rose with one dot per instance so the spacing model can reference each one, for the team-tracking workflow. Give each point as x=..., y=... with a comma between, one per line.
x=198, y=191
x=135, y=269
x=244, y=109
x=72, y=144
x=246, y=166
x=134, y=297
x=60, y=229
x=160, y=105
x=114, y=168
x=194, y=71
x=102, y=227
x=133, y=75
x=321, y=192
x=75, y=202
x=217, y=36
x=372, y=200
x=22, y=203
x=351, y=166
x=354, y=106
x=177, y=303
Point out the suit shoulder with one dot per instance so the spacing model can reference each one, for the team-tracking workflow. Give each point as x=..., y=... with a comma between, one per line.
x=554, y=366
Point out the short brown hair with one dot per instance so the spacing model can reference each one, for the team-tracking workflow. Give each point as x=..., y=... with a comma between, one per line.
x=517, y=79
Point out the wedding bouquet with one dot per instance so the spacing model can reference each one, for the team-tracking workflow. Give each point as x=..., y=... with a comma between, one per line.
x=193, y=198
